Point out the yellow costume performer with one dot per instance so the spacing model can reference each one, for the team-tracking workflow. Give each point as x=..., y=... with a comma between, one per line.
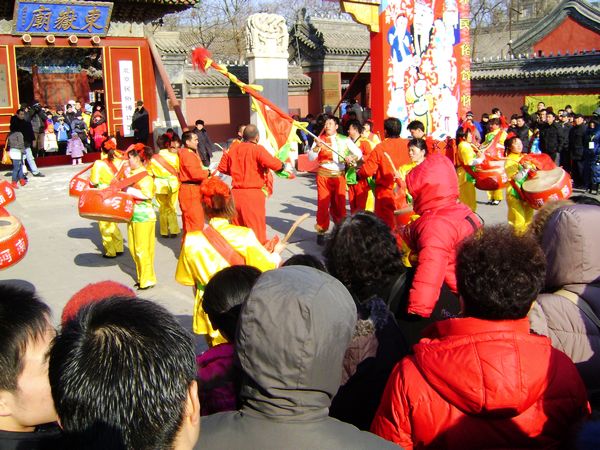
x=167, y=187
x=199, y=261
x=467, y=156
x=141, y=230
x=101, y=175
x=520, y=213
x=494, y=196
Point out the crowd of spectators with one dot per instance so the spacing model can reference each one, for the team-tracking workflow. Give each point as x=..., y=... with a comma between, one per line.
x=322, y=354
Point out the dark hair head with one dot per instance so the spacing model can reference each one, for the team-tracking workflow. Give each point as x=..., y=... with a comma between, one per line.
x=419, y=143
x=176, y=138
x=550, y=113
x=514, y=117
x=486, y=261
x=250, y=132
x=392, y=127
x=163, y=141
x=142, y=151
x=494, y=121
x=199, y=122
x=416, y=125
x=224, y=295
x=495, y=110
x=305, y=260
x=363, y=254
x=462, y=133
x=186, y=137
x=485, y=116
x=356, y=125
x=332, y=117
x=120, y=373
x=508, y=143
x=139, y=103
x=578, y=116
x=23, y=319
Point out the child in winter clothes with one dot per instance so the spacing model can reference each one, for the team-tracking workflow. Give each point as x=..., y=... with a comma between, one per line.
x=222, y=301
x=50, y=142
x=75, y=148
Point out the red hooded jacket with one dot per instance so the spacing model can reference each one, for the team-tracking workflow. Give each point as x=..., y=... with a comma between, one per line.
x=434, y=237
x=475, y=384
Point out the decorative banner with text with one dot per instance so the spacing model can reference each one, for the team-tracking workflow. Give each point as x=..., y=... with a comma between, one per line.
x=127, y=95
x=427, y=63
x=61, y=17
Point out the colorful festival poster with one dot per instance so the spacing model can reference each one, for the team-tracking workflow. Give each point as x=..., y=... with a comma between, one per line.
x=426, y=63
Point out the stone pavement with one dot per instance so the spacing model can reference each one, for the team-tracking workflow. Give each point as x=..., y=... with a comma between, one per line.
x=65, y=250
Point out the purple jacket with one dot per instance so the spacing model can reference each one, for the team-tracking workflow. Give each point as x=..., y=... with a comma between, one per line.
x=216, y=379
x=75, y=147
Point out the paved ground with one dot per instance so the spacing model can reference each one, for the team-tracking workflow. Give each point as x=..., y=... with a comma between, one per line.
x=65, y=250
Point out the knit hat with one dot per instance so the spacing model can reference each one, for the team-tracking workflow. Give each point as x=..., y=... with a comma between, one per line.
x=94, y=292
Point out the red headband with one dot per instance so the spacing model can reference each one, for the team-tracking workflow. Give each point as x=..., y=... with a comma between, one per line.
x=212, y=187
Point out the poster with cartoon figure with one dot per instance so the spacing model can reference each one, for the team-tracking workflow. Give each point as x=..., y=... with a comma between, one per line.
x=428, y=63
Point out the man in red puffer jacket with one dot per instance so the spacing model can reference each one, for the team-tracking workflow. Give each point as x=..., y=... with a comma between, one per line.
x=484, y=381
x=443, y=224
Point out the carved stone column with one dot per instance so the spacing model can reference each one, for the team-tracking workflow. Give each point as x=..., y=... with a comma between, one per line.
x=267, y=52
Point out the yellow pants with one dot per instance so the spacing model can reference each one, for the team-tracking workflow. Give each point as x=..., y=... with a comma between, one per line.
x=112, y=240
x=141, y=239
x=201, y=323
x=167, y=214
x=495, y=195
x=519, y=214
x=468, y=195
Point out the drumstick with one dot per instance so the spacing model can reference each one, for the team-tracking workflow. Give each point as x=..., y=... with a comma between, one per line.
x=295, y=225
x=399, y=212
x=389, y=158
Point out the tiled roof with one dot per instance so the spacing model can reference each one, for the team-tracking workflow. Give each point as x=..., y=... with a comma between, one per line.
x=330, y=35
x=213, y=79
x=585, y=65
x=182, y=43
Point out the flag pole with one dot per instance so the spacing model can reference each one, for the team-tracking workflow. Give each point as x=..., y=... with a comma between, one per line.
x=201, y=58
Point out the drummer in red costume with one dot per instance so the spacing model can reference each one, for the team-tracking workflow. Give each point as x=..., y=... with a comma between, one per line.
x=331, y=177
x=248, y=164
x=378, y=164
x=417, y=131
x=191, y=175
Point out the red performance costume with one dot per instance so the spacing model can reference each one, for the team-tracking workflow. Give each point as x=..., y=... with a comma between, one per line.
x=248, y=164
x=358, y=193
x=191, y=175
x=378, y=165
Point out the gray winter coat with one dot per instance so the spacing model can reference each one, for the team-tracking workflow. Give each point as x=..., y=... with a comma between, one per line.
x=572, y=250
x=294, y=330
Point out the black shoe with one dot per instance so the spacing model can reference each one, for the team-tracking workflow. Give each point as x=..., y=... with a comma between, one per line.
x=139, y=288
x=164, y=236
x=119, y=253
x=38, y=174
x=108, y=256
x=321, y=239
x=174, y=235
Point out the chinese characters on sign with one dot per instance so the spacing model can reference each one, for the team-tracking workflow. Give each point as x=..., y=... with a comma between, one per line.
x=127, y=95
x=61, y=18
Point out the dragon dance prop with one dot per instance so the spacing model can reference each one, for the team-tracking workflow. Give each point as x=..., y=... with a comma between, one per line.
x=281, y=127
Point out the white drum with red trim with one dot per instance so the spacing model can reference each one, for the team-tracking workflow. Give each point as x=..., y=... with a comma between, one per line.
x=547, y=186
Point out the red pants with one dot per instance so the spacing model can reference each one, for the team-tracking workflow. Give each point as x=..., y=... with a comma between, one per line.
x=192, y=214
x=331, y=197
x=251, y=211
x=385, y=205
x=357, y=196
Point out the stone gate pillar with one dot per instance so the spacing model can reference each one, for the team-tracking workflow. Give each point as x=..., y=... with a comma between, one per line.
x=267, y=53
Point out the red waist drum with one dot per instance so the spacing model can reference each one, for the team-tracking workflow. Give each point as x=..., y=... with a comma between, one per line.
x=106, y=205
x=13, y=240
x=547, y=186
x=7, y=193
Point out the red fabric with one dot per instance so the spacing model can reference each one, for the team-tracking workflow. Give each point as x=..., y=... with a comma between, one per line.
x=377, y=164
x=331, y=197
x=475, y=384
x=435, y=235
x=216, y=379
x=190, y=169
x=247, y=164
x=280, y=127
x=357, y=196
x=251, y=211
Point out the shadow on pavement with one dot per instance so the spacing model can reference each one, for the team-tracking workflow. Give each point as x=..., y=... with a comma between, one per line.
x=92, y=233
x=22, y=284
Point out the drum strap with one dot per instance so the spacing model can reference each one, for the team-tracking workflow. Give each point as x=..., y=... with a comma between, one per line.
x=165, y=164
x=129, y=181
x=224, y=248
x=111, y=166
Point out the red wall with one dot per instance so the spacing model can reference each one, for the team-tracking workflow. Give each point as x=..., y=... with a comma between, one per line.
x=222, y=115
x=315, y=94
x=568, y=36
x=508, y=103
